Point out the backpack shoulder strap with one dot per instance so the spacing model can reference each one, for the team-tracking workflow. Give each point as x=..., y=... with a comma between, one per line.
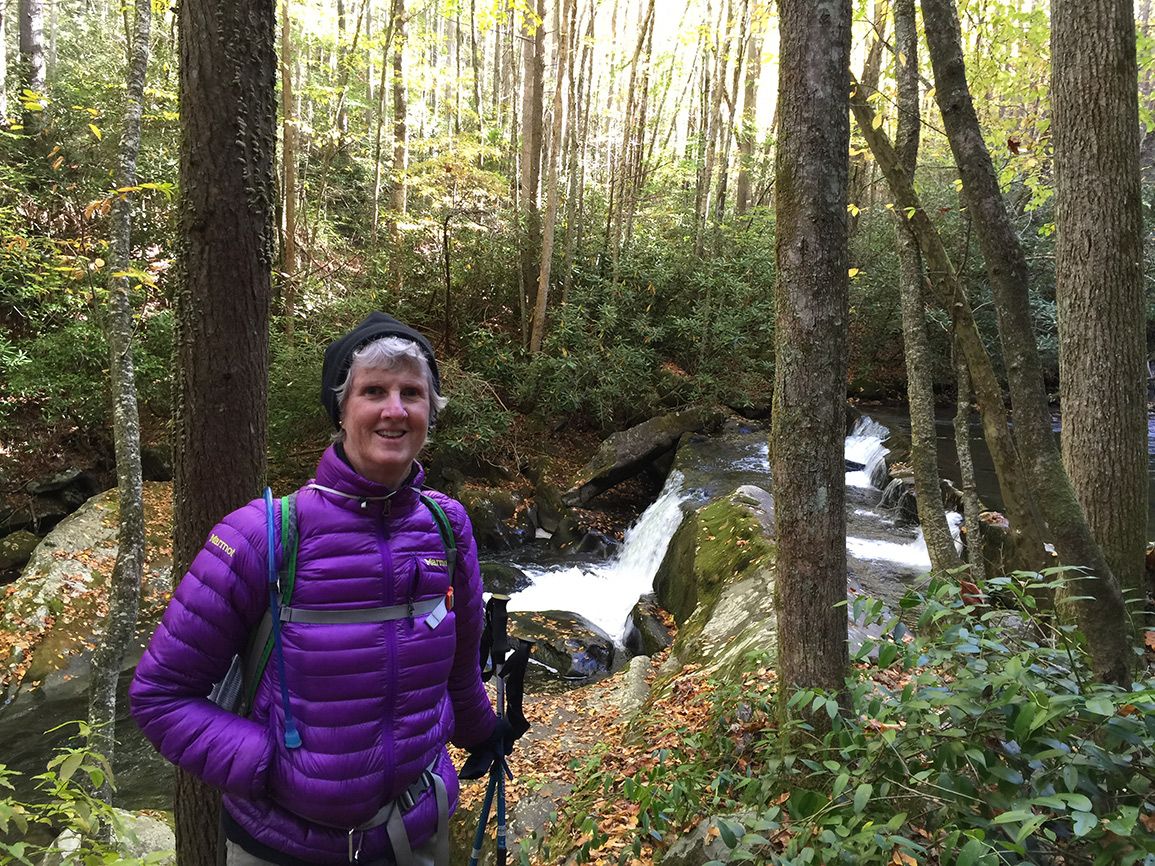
x=445, y=530
x=261, y=643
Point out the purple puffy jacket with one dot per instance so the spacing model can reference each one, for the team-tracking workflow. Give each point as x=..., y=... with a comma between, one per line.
x=375, y=703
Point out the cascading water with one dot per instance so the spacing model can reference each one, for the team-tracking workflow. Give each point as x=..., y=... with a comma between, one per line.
x=605, y=592
x=864, y=446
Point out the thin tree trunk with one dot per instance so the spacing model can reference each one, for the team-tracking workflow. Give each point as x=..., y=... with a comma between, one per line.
x=712, y=122
x=810, y=346
x=288, y=173
x=3, y=66
x=400, y=110
x=749, y=130
x=578, y=121
x=34, y=75
x=1099, y=276
x=377, y=136
x=972, y=507
x=475, y=59
x=1103, y=619
x=124, y=594
x=916, y=347
x=727, y=129
x=537, y=333
x=949, y=294
x=533, y=57
x=860, y=171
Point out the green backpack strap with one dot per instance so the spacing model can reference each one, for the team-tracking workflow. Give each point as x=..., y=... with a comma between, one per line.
x=261, y=647
x=445, y=530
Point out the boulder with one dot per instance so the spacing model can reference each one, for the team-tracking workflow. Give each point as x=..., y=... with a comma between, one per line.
x=550, y=509
x=567, y=643
x=646, y=633
x=703, y=844
x=156, y=463
x=16, y=549
x=718, y=581
x=503, y=579
x=499, y=523
x=57, y=606
x=50, y=499
x=901, y=500
x=626, y=453
x=633, y=689
x=135, y=837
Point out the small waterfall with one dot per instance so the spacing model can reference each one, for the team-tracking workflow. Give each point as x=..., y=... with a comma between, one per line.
x=604, y=593
x=864, y=445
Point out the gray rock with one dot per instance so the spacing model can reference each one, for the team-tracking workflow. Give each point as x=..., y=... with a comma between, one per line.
x=16, y=549
x=135, y=836
x=632, y=691
x=569, y=644
x=156, y=464
x=498, y=523
x=626, y=453
x=700, y=846
x=646, y=634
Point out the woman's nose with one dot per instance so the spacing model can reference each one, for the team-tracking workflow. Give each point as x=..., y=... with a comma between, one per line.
x=393, y=406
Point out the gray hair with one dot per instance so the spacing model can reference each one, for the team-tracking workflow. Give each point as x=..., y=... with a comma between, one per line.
x=388, y=353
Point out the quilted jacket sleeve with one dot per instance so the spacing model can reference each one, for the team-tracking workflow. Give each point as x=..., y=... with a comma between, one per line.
x=213, y=611
x=473, y=713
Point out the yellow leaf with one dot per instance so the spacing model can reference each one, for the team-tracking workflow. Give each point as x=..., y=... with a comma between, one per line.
x=852, y=273
x=96, y=131
x=56, y=163
x=853, y=209
x=877, y=122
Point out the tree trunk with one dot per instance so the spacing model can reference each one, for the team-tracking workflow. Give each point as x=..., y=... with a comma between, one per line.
x=749, y=131
x=916, y=347
x=860, y=170
x=120, y=626
x=34, y=72
x=400, y=109
x=288, y=173
x=1099, y=276
x=809, y=416
x=537, y=333
x=1103, y=618
x=578, y=120
x=972, y=507
x=475, y=62
x=3, y=66
x=375, y=221
x=727, y=129
x=533, y=61
x=228, y=115
x=712, y=121
x=949, y=294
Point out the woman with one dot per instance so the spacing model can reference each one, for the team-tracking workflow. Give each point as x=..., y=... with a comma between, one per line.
x=373, y=702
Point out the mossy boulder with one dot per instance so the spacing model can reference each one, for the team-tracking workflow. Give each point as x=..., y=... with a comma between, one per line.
x=503, y=579
x=718, y=580
x=16, y=549
x=498, y=517
x=645, y=633
x=567, y=643
x=628, y=452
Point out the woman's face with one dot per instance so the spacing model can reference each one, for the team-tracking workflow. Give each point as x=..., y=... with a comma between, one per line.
x=386, y=421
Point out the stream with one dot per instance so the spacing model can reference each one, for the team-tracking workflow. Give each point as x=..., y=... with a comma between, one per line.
x=883, y=559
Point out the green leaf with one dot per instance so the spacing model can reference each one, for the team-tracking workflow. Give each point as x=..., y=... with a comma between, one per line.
x=729, y=837
x=69, y=766
x=840, y=784
x=1100, y=707
x=1076, y=802
x=1014, y=816
x=861, y=796
x=1084, y=823
x=971, y=853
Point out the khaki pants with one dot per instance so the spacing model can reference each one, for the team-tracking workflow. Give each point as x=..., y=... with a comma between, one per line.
x=235, y=855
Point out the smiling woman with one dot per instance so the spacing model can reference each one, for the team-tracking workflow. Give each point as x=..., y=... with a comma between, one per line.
x=342, y=755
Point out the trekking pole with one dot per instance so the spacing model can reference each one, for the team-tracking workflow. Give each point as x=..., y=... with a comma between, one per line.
x=499, y=643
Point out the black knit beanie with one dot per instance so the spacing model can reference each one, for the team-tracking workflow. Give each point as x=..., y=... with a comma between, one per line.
x=339, y=356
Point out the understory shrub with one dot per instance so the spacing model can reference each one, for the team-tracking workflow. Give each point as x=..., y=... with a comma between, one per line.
x=968, y=740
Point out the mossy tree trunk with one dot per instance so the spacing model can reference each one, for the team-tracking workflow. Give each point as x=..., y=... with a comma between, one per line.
x=34, y=69
x=1102, y=615
x=809, y=412
x=228, y=122
x=1099, y=275
x=916, y=346
x=120, y=626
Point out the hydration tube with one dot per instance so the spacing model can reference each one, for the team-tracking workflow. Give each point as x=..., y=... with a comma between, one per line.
x=292, y=736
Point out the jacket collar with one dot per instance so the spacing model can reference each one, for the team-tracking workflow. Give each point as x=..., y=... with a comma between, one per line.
x=335, y=473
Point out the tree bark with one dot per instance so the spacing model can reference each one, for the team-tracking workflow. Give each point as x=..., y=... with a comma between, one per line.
x=809, y=412
x=288, y=173
x=120, y=625
x=228, y=115
x=1099, y=276
x=972, y=507
x=3, y=66
x=537, y=332
x=712, y=121
x=34, y=72
x=748, y=133
x=727, y=129
x=949, y=294
x=1102, y=618
x=533, y=61
x=916, y=347
x=860, y=170
x=400, y=110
